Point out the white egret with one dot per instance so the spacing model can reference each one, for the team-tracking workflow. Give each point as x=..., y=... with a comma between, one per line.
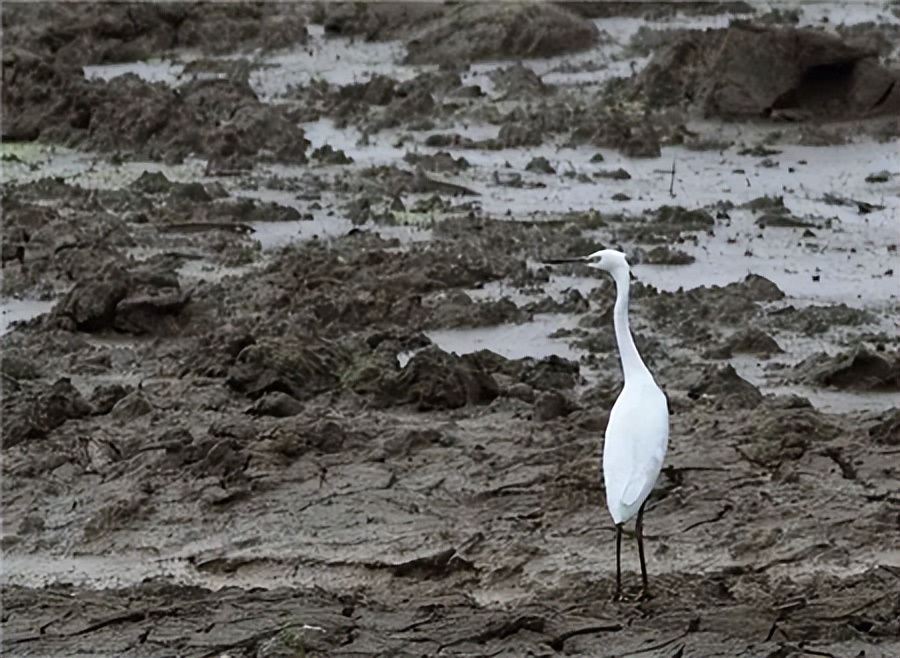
x=637, y=434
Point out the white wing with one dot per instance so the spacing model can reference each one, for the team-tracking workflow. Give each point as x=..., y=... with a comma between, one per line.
x=637, y=438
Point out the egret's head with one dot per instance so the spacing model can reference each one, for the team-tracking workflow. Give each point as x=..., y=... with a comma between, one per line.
x=608, y=259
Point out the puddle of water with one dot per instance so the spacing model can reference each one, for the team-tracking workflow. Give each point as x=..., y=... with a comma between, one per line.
x=379, y=150
x=331, y=59
x=94, y=171
x=18, y=310
x=513, y=341
x=705, y=178
x=836, y=13
x=151, y=71
x=273, y=235
x=757, y=372
x=96, y=572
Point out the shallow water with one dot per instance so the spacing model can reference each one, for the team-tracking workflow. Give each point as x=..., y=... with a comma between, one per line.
x=513, y=341
x=19, y=310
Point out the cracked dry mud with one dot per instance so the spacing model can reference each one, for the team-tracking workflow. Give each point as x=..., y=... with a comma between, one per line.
x=290, y=378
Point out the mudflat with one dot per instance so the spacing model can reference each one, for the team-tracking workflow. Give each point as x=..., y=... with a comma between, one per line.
x=284, y=374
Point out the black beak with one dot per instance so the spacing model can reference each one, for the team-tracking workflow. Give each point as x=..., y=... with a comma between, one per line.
x=560, y=261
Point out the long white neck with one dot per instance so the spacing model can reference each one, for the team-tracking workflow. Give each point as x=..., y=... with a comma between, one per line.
x=632, y=365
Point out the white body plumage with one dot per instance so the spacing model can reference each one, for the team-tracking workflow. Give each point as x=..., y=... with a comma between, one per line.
x=637, y=437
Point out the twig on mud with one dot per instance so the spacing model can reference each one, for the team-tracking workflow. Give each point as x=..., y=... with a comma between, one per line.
x=848, y=470
x=500, y=631
x=672, y=180
x=783, y=611
x=858, y=609
x=656, y=647
x=718, y=517
x=125, y=618
x=750, y=459
x=199, y=227
x=803, y=651
x=247, y=642
x=798, y=555
x=512, y=487
x=891, y=570
x=558, y=642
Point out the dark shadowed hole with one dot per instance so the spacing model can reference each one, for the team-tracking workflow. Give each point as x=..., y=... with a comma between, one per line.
x=822, y=89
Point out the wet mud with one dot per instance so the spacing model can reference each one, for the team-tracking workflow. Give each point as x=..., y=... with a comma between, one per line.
x=284, y=372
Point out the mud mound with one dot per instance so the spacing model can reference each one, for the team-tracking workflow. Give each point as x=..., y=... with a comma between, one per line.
x=476, y=31
x=749, y=71
x=70, y=232
x=748, y=340
x=858, y=369
x=627, y=128
x=887, y=429
x=667, y=223
x=375, y=21
x=518, y=82
x=362, y=282
x=84, y=33
x=727, y=388
x=656, y=10
x=786, y=434
x=221, y=120
x=697, y=311
x=878, y=37
x=299, y=367
x=143, y=300
x=382, y=102
x=442, y=161
x=33, y=416
x=815, y=320
x=434, y=379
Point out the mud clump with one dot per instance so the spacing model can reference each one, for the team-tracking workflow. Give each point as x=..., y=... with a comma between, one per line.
x=698, y=311
x=440, y=162
x=787, y=434
x=886, y=430
x=91, y=304
x=858, y=369
x=518, y=82
x=85, y=34
x=627, y=128
x=221, y=120
x=474, y=32
x=657, y=10
x=299, y=368
x=668, y=222
x=380, y=21
x=49, y=409
x=663, y=255
x=816, y=320
x=383, y=102
x=434, y=379
x=727, y=388
x=141, y=301
x=748, y=340
x=749, y=71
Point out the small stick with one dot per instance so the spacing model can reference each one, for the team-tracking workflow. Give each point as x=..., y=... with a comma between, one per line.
x=672, y=179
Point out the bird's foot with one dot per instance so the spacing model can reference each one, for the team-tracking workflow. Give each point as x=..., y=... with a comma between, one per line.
x=618, y=595
x=645, y=595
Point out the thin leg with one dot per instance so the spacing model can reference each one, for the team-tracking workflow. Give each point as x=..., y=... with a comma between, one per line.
x=618, y=594
x=639, y=533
